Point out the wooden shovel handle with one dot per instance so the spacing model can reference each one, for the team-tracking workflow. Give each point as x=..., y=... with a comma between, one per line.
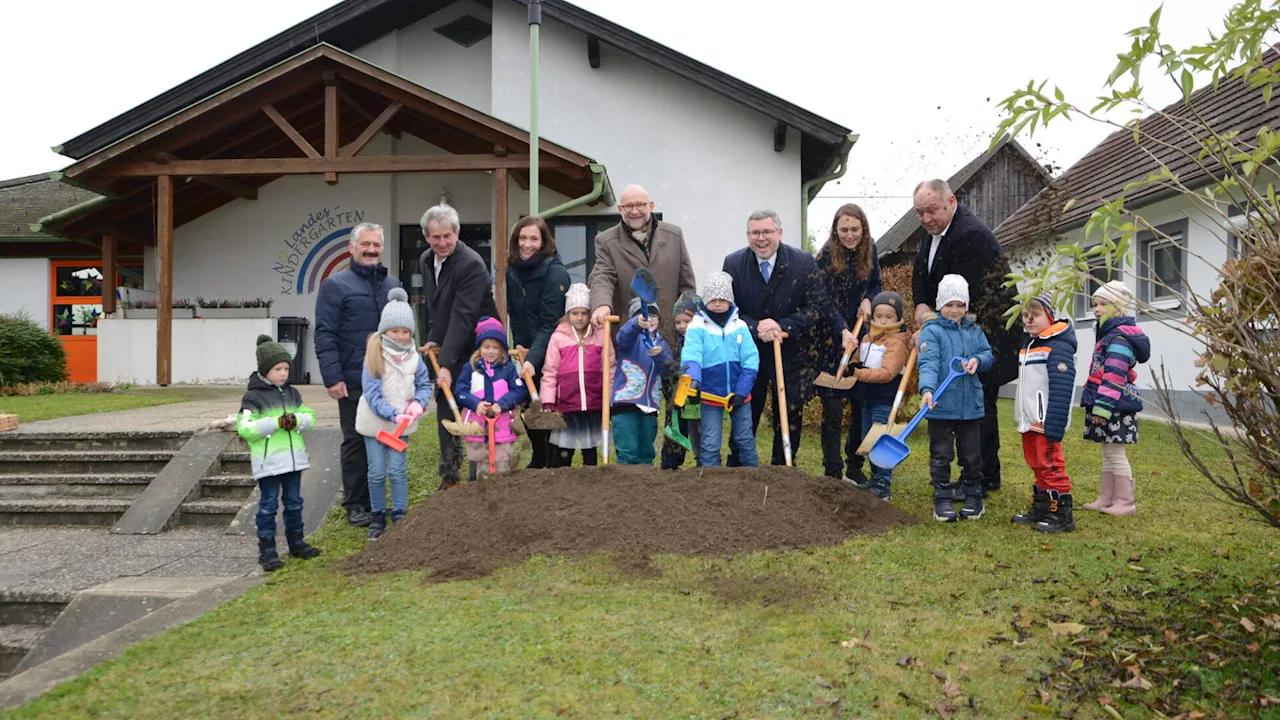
x=848, y=349
x=528, y=376
x=902, y=386
x=608, y=386
x=448, y=391
x=784, y=421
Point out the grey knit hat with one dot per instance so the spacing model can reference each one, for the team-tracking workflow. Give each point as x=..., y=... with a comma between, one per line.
x=397, y=313
x=634, y=308
x=718, y=286
x=270, y=353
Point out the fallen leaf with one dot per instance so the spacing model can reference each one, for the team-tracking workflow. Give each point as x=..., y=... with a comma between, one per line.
x=829, y=702
x=1045, y=697
x=1104, y=700
x=1136, y=568
x=1135, y=558
x=1046, y=547
x=1248, y=624
x=1066, y=628
x=1113, y=712
x=951, y=689
x=1170, y=635
x=906, y=661
x=1137, y=682
x=851, y=643
x=964, y=668
x=945, y=711
x=1004, y=566
x=1253, y=647
x=823, y=682
x=1094, y=603
x=941, y=675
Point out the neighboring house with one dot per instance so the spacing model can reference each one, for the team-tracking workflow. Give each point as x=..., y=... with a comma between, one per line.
x=1190, y=261
x=993, y=185
x=452, y=76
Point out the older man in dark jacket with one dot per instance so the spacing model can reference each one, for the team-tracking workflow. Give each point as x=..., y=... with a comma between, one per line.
x=458, y=292
x=348, y=307
x=778, y=290
x=958, y=242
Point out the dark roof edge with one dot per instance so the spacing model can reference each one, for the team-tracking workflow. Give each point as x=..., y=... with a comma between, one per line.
x=26, y=180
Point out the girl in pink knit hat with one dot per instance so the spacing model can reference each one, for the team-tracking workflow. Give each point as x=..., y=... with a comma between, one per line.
x=490, y=386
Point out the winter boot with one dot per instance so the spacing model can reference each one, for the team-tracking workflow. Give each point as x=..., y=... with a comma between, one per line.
x=1106, y=493
x=397, y=516
x=1039, y=508
x=1058, y=518
x=299, y=548
x=1123, y=503
x=377, y=526
x=942, y=510
x=973, y=508
x=267, y=556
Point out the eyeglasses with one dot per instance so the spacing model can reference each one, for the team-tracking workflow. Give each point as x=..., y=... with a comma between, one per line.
x=757, y=234
x=634, y=207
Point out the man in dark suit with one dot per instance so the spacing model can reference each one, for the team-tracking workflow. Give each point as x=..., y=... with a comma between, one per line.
x=458, y=292
x=958, y=242
x=777, y=289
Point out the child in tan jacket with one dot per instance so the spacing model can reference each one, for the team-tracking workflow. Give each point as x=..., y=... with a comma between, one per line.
x=881, y=357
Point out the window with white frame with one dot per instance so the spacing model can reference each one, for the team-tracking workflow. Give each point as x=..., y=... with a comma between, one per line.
x=1162, y=265
x=1099, y=275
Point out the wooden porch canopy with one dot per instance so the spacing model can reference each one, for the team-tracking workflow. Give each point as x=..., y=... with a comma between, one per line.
x=312, y=114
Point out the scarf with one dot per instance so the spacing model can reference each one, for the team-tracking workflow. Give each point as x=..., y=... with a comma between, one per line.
x=720, y=318
x=533, y=262
x=394, y=347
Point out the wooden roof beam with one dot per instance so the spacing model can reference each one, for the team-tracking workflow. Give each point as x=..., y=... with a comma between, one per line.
x=321, y=165
x=231, y=187
x=289, y=130
x=377, y=124
x=354, y=104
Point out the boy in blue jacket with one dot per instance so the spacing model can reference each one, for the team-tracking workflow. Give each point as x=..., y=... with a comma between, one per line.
x=957, y=412
x=1046, y=385
x=643, y=358
x=720, y=357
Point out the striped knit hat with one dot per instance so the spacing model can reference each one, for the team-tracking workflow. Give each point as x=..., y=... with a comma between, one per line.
x=491, y=329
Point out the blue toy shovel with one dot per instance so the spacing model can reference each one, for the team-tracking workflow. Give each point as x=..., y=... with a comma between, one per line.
x=645, y=286
x=890, y=450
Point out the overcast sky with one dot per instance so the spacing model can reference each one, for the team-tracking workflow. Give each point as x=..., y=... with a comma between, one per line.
x=918, y=79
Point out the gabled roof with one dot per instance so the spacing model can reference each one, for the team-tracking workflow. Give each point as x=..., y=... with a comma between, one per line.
x=25, y=200
x=1104, y=171
x=352, y=23
x=895, y=236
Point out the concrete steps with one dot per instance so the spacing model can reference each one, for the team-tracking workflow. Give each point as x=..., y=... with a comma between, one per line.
x=209, y=511
x=75, y=485
x=14, y=462
x=226, y=487
x=24, y=621
x=59, y=510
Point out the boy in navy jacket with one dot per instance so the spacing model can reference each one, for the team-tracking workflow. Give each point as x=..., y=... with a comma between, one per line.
x=958, y=412
x=643, y=358
x=1046, y=384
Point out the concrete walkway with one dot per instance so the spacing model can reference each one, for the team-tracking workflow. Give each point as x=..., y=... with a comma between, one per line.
x=216, y=403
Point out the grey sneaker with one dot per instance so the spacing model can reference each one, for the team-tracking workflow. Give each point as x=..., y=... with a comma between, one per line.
x=359, y=517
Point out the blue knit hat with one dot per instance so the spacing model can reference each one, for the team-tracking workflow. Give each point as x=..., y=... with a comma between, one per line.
x=491, y=329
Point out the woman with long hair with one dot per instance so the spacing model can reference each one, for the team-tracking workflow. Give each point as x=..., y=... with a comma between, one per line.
x=850, y=266
x=536, y=283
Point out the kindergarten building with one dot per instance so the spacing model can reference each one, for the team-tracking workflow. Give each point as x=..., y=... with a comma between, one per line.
x=241, y=185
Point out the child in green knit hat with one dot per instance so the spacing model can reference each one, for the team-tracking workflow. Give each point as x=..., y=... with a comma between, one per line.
x=272, y=419
x=688, y=419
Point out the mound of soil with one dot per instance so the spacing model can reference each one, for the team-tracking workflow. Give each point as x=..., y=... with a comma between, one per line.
x=631, y=511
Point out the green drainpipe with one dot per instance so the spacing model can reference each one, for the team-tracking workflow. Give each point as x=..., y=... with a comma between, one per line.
x=810, y=190
x=535, y=22
x=599, y=188
x=44, y=223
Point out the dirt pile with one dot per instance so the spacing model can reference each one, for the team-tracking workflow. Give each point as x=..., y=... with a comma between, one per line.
x=632, y=511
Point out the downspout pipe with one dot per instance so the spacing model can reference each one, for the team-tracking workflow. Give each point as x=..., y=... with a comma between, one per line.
x=810, y=190
x=45, y=223
x=535, y=23
x=599, y=188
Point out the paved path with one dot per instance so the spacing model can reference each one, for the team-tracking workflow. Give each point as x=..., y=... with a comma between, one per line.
x=184, y=416
x=62, y=560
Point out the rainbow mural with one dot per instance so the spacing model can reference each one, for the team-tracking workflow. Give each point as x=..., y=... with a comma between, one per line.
x=326, y=257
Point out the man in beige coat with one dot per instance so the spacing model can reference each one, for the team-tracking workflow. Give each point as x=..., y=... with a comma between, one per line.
x=640, y=240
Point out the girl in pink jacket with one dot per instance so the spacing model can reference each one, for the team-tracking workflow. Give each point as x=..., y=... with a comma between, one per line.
x=573, y=380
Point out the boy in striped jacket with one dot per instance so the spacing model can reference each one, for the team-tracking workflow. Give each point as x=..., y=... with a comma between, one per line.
x=1046, y=384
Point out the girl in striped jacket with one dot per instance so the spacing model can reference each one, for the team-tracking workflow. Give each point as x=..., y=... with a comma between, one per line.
x=1111, y=397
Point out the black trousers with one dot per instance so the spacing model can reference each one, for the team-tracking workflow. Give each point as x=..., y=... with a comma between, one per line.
x=450, y=463
x=673, y=454
x=989, y=428
x=947, y=439
x=795, y=418
x=541, y=442
x=833, y=463
x=355, y=463
x=563, y=457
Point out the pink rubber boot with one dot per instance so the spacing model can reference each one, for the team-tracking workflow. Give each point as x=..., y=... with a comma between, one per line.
x=1106, y=494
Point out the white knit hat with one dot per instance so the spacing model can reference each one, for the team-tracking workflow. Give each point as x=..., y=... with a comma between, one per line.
x=1116, y=293
x=397, y=313
x=952, y=288
x=578, y=296
x=718, y=286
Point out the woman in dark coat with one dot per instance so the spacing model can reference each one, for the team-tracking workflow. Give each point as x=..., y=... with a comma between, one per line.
x=850, y=266
x=536, y=284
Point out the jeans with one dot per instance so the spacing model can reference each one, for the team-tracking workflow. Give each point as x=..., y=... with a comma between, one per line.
x=990, y=437
x=355, y=466
x=634, y=433
x=386, y=463
x=947, y=438
x=795, y=406
x=881, y=478
x=740, y=428
x=833, y=463
x=270, y=488
x=449, y=466
x=1044, y=457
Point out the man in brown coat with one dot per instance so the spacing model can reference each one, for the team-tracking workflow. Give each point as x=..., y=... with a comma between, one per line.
x=640, y=240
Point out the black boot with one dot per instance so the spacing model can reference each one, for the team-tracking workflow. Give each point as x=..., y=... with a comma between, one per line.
x=377, y=526
x=1058, y=518
x=267, y=557
x=1039, y=508
x=973, y=508
x=299, y=548
x=942, y=510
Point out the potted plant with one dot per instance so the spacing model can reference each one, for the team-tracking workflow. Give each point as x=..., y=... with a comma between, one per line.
x=227, y=309
x=146, y=309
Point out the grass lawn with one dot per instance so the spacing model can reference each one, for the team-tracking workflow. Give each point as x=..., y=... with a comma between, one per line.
x=754, y=636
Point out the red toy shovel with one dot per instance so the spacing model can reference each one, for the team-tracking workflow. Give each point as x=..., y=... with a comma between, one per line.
x=393, y=441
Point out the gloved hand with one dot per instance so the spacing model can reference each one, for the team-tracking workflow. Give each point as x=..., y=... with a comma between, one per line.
x=414, y=410
x=737, y=401
x=288, y=421
x=695, y=389
x=404, y=417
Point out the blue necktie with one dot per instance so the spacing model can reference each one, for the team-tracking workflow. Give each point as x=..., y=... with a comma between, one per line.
x=764, y=270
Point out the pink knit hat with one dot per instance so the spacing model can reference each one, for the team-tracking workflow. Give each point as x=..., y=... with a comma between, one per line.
x=491, y=329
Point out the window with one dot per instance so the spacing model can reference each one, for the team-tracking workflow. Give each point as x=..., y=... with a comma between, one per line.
x=1098, y=276
x=576, y=240
x=1163, y=266
x=76, y=295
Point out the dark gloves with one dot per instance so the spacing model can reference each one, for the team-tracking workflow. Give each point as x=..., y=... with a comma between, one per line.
x=288, y=421
x=695, y=389
x=737, y=401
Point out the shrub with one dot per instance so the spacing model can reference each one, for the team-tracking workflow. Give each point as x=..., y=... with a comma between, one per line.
x=58, y=388
x=28, y=353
